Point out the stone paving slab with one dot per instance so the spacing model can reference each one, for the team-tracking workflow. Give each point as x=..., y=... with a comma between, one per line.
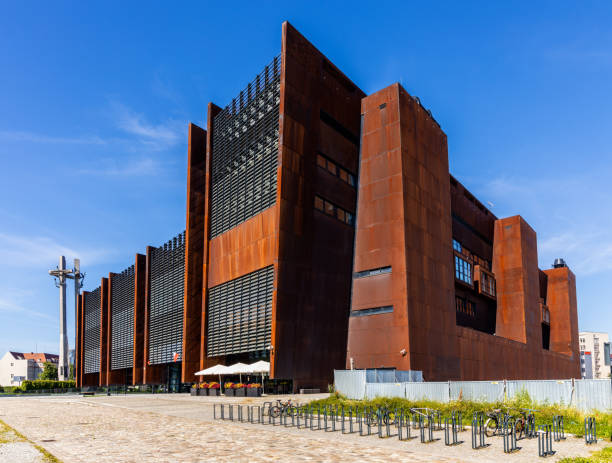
x=181, y=428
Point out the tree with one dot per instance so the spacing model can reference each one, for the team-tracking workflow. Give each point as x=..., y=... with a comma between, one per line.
x=49, y=372
x=71, y=376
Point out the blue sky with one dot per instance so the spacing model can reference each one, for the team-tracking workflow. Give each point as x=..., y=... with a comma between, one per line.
x=95, y=101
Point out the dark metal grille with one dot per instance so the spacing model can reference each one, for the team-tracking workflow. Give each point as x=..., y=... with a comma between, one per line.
x=245, y=152
x=91, y=343
x=166, y=301
x=122, y=319
x=240, y=314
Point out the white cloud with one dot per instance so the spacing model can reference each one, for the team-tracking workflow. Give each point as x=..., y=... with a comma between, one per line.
x=15, y=300
x=154, y=136
x=41, y=252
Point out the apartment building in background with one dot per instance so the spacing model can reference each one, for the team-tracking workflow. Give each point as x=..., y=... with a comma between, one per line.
x=323, y=229
x=16, y=367
x=593, y=364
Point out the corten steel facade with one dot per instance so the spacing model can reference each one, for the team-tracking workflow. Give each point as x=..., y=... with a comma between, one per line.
x=268, y=246
x=273, y=266
x=440, y=284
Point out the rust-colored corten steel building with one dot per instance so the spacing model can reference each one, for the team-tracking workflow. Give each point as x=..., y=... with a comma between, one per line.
x=268, y=246
x=440, y=284
x=272, y=265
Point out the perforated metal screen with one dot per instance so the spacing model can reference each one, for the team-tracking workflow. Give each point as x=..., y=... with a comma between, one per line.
x=166, y=300
x=245, y=152
x=240, y=314
x=91, y=342
x=122, y=319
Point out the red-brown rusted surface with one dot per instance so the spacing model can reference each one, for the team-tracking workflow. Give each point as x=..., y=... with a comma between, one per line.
x=140, y=277
x=407, y=218
x=404, y=222
x=194, y=251
x=313, y=268
x=152, y=374
x=104, y=306
x=561, y=302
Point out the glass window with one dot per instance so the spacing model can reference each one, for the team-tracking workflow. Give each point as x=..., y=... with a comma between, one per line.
x=329, y=208
x=456, y=245
x=321, y=161
x=340, y=214
x=463, y=270
x=351, y=179
x=331, y=167
x=350, y=218
x=319, y=203
x=344, y=175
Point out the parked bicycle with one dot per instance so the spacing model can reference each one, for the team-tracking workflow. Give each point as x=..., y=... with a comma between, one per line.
x=386, y=416
x=496, y=419
x=283, y=408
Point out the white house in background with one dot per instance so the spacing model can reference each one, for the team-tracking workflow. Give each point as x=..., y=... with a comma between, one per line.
x=16, y=367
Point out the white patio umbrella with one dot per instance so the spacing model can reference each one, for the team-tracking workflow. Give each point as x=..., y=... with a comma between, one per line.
x=238, y=368
x=214, y=370
x=260, y=367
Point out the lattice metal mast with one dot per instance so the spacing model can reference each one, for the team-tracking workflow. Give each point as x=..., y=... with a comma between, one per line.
x=61, y=273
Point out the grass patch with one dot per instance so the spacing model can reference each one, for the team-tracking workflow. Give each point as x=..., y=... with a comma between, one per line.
x=573, y=419
x=9, y=435
x=601, y=456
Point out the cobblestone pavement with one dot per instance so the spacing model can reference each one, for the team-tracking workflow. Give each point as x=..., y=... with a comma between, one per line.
x=181, y=428
x=15, y=449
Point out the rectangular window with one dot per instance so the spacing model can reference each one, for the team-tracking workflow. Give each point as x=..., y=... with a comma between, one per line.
x=372, y=311
x=319, y=203
x=369, y=273
x=487, y=283
x=464, y=306
x=463, y=270
x=334, y=211
x=334, y=169
x=321, y=161
x=456, y=245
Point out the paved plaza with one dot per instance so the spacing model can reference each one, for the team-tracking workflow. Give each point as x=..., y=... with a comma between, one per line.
x=181, y=428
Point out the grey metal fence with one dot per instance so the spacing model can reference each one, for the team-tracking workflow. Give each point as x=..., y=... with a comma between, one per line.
x=583, y=394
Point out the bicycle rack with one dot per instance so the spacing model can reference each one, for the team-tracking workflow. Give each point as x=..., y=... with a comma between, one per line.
x=403, y=421
x=509, y=434
x=545, y=441
x=530, y=426
x=478, y=431
x=436, y=419
x=590, y=430
x=450, y=431
x=429, y=438
x=458, y=417
x=557, y=426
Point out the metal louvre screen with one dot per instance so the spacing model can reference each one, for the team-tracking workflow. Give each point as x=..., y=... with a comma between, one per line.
x=245, y=152
x=122, y=319
x=240, y=314
x=166, y=301
x=91, y=343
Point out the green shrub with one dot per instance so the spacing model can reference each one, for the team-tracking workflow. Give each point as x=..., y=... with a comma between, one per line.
x=41, y=384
